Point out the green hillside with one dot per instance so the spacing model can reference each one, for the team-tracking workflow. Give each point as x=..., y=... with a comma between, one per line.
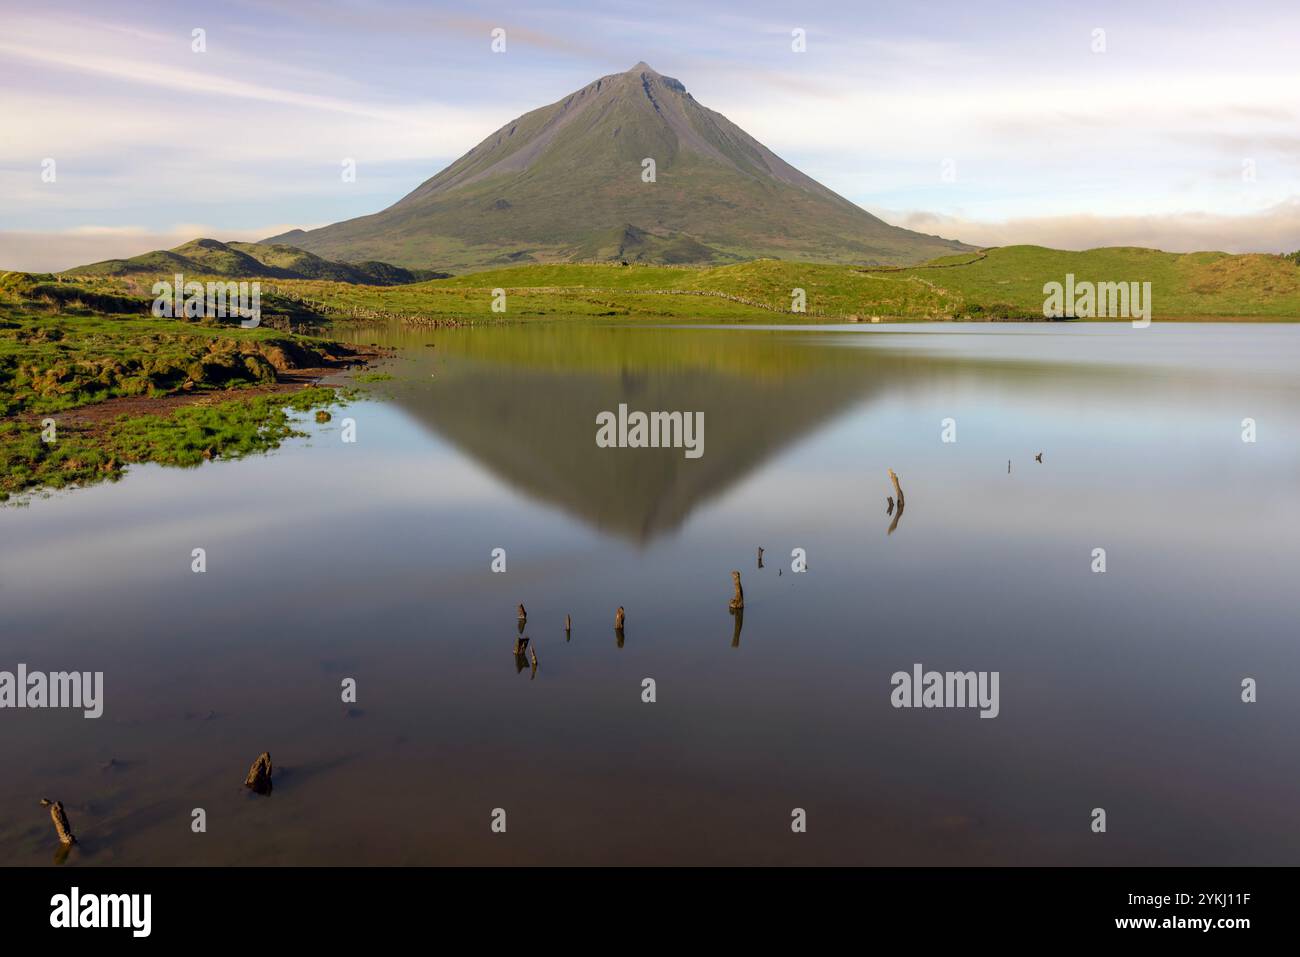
x=210, y=257
x=1183, y=285
x=1002, y=283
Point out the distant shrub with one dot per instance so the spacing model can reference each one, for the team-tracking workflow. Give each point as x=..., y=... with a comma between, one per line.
x=999, y=310
x=58, y=294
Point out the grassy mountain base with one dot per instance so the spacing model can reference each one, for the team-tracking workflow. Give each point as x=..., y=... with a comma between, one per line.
x=1003, y=283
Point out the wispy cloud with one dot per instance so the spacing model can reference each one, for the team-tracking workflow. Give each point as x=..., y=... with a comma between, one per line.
x=186, y=81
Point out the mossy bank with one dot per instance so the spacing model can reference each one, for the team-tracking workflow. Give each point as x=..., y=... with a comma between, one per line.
x=89, y=385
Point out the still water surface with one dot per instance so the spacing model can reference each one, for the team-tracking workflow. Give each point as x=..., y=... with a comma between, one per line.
x=372, y=561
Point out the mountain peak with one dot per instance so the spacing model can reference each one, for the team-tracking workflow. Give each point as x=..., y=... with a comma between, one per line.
x=569, y=181
x=645, y=72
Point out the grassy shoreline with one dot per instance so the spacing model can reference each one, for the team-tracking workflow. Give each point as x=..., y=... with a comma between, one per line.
x=87, y=390
x=85, y=454
x=1004, y=284
x=123, y=387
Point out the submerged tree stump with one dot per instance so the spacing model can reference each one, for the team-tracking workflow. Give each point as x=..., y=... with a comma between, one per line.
x=60, y=819
x=259, y=775
x=898, y=513
x=898, y=489
x=521, y=646
x=618, y=617
x=738, y=599
x=568, y=627
x=760, y=557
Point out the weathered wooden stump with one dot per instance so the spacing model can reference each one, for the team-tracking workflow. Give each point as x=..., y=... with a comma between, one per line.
x=760, y=557
x=735, y=630
x=521, y=645
x=618, y=617
x=568, y=627
x=259, y=775
x=60, y=819
x=898, y=489
x=898, y=513
x=738, y=599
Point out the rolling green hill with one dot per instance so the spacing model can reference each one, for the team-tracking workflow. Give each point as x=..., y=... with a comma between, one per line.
x=210, y=257
x=564, y=183
x=1183, y=285
x=1001, y=283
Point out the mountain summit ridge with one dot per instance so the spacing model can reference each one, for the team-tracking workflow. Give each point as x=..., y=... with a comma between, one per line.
x=567, y=180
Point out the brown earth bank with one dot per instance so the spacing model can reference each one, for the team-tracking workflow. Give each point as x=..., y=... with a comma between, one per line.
x=288, y=379
x=235, y=398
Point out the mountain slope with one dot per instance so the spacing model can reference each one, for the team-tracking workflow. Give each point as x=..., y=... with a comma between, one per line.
x=210, y=257
x=564, y=182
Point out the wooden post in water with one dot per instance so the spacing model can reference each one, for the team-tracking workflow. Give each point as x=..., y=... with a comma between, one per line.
x=60, y=819
x=760, y=557
x=898, y=513
x=618, y=625
x=738, y=599
x=568, y=627
x=898, y=489
x=259, y=775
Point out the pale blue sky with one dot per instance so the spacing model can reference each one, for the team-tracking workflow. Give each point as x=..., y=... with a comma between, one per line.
x=1049, y=141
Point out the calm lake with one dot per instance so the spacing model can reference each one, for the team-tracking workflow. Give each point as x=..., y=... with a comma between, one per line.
x=372, y=560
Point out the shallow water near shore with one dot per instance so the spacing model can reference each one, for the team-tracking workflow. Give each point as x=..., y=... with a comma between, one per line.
x=372, y=561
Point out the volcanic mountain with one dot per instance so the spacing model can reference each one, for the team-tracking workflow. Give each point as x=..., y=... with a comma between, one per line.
x=568, y=182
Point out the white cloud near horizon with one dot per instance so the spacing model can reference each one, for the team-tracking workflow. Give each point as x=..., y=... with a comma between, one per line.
x=1274, y=230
